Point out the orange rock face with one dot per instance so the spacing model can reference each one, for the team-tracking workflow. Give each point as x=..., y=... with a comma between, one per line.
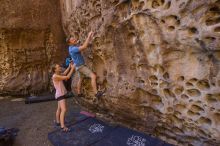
x=31, y=39
x=159, y=61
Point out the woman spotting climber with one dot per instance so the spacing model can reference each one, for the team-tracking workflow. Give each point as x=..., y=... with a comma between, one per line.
x=60, y=95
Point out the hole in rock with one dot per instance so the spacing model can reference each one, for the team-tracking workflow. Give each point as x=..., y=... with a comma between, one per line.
x=210, y=56
x=154, y=84
x=115, y=2
x=217, y=29
x=141, y=5
x=193, y=80
x=197, y=9
x=168, y=4
x=193, y=92
x=156, y=99
x=153, y=46
x=159, y=68
x=180, y=107
x=172, y=20
x=210, y=99
x=214, y=9
x=133, y=7
x=191, y=113
x=141, y=81
x=182, y=5
x=181, y=78
x=176, y=120
x=188, y=84
x=170, y=109
x=212, y=21
x=153, y=91
x=168, y=93
x=198, y=102
x=177, y=113
x=163, y=21
x=164, y=84
x=196, y=109
x=216, y=96
x=192, y=31
x=153, y=78
x=178, y=130
x=212, y=109
x=133, y=66
x=203, y=85
x=165, y=43
x=157, y=3
x=217, y=2
x=171, y=28
x=202, y=132
x=216, y=117
x=210, y=38
x=178, y=22
x=204, y=120
x=178, y=90
x=166, y=76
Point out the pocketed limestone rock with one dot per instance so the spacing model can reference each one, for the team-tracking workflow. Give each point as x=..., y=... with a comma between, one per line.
x=159, y=62
x=31, y=40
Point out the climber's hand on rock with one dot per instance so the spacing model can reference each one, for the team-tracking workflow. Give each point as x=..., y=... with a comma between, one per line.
x=91, y=33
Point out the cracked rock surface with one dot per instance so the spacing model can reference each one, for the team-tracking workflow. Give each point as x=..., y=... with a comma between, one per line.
x=159, y=61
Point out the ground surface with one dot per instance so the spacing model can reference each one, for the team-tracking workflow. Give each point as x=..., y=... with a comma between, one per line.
x=34, y=121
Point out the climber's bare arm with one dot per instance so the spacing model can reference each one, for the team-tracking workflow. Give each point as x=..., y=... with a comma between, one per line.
x=86, y=43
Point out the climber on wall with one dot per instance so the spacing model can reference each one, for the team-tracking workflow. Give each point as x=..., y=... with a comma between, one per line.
x=60, y=95
x=76, y=54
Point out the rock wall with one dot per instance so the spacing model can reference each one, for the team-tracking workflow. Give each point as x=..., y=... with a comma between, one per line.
x=31, y=39
x=159, y=61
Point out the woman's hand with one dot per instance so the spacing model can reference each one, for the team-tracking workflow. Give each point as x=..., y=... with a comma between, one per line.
x=71, y=65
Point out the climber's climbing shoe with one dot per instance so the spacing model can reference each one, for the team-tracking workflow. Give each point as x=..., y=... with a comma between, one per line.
x=99, y=94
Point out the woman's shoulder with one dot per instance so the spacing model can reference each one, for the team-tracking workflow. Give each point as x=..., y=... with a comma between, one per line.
x=54, y=76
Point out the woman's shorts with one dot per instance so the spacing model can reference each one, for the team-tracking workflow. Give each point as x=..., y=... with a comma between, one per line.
x=61, y=97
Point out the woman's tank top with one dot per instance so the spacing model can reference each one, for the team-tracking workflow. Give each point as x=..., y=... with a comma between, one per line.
x=59, y=86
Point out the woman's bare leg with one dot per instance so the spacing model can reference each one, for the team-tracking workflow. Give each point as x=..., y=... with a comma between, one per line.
x=63, y=112
x=58, y=113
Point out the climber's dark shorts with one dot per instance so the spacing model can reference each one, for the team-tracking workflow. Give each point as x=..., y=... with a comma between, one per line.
x=62, y=97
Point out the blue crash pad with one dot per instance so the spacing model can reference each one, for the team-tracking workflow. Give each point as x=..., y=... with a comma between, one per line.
x=84, y=133
x=122, y=136
x=7, y=136
x=6, y=133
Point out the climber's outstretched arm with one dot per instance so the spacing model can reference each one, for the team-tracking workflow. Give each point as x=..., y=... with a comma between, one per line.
x=86, y=43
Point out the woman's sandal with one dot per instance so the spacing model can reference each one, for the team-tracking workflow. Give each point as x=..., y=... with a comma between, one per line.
x=65, y=129
x=56, y=124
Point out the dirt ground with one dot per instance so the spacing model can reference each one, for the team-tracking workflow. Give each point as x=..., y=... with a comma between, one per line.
x=34, y=121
